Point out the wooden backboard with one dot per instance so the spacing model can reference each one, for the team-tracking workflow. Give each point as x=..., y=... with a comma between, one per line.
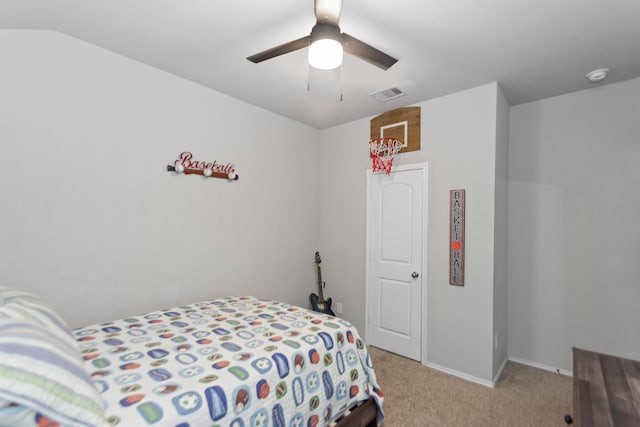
x=402, y=124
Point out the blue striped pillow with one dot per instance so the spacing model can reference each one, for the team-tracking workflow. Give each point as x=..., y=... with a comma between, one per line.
x=40, y=365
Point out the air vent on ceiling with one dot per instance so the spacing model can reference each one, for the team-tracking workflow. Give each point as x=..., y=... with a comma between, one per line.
x=387, y=94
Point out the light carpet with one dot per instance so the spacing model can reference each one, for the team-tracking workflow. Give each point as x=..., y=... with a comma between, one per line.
x=419, y=396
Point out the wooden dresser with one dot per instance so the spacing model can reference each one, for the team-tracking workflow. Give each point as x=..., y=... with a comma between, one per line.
x=606, y=390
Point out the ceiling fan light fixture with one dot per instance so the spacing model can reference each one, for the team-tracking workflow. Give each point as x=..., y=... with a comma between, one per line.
x=327, y=44
x=325, y=54
x=325, y=50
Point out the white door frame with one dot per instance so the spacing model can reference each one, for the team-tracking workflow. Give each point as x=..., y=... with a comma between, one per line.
x=423, y=275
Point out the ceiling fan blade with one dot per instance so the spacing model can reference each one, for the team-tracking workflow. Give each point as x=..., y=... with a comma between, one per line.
x=367, y=53
x=327, y=11
x=300, y=43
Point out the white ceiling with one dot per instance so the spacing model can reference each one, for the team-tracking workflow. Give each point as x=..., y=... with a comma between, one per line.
x=535, y=49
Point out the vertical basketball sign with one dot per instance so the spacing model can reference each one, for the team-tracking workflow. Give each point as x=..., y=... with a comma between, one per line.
x=456, y=237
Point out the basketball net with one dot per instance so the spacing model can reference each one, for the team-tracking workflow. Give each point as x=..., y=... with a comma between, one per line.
x=383, y=151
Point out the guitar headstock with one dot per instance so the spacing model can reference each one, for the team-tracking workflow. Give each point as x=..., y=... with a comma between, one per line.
x=318, y=260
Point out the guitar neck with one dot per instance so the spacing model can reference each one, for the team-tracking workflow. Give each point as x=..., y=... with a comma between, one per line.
x=320, y=296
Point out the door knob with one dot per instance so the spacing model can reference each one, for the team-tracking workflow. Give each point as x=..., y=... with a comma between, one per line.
x=414, y=274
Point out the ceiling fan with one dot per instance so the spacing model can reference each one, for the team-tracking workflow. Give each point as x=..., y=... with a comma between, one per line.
x=326, y=43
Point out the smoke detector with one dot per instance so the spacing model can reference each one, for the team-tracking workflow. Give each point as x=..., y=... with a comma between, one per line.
x=598, y=75
x=387, y=94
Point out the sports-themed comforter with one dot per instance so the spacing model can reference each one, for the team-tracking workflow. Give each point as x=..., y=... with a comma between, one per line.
x=239, y=362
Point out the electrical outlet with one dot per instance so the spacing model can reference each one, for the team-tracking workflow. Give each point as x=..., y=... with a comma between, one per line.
x=339, y=307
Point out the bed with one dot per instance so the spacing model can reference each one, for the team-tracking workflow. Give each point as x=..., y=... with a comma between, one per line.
x=236, y=361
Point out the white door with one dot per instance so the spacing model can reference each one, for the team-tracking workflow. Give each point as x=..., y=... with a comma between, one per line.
x=396, y=236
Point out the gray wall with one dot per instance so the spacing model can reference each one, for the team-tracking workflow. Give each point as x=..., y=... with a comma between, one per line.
x=574, y=228
x=458, y=141
x=92, y=221
x=500, y=266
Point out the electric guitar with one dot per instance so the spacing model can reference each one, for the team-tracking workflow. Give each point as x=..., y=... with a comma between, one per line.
x=318, y=303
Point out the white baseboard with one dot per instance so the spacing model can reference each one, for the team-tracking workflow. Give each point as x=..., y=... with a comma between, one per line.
x=460, y=374
x=499, y=373
x=492, y=384
x=541, y=366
